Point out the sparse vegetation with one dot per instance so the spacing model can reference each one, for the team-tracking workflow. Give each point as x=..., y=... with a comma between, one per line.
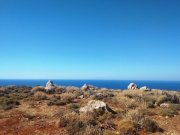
x=134, y=111
x=40, y=96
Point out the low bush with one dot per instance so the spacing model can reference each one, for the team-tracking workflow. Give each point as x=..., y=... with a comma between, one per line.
x=151, y=104
x=40, y=96
x=69, y=97
x=59, y=90
x=73, y=107
x=72, y=89
x=38, y=88
x=8, y=103
x=175, y=107
x=126, y=127
x=63, y=121
x=57, y=102
x=88, y=118
x=105, y=116
x=137, y=117
x=171, y=98
x=75, y=127
x=161, y=99
x=150, y=125
x=92, y=130
x=167, y=112
x=29, y=116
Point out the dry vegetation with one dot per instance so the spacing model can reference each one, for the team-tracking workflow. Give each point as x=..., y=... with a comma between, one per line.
x=26, y=110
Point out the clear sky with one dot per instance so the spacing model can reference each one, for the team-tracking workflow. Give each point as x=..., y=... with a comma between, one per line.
x=90, y=39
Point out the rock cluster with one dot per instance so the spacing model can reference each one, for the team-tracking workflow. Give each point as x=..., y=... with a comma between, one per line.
x=133, y=86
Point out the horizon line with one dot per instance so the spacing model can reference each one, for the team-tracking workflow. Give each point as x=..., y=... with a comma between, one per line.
x=86, y=79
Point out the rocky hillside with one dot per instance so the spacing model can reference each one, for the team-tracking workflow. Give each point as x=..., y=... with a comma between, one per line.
x=60, y=110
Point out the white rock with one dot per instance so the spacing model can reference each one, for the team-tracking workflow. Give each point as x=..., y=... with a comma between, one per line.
x=49, y=86
x=132, y=86
x=95, y=105
x=85, y=87
x=81, y=97
x=145, y=88
x=88, y=87
x=165, y=105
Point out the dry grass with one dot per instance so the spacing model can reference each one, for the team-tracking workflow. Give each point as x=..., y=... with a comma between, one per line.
x=37, y=88
x=136, y=111
x=40, y=95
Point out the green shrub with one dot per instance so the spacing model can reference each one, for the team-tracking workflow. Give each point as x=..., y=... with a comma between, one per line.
x=40, y=96
x=167, y=112
x=62, y=122
x=69, y=97
x=175, y=107
x=126, y=127
x=29, y=116
x=168, y=98
x=92, y=130
x=57, y=102
x=150, y=104
x=38, y=88
x=73, y=107
x=8, y=103
x=150, y=125
x=105, y=116
x=74, y=127
x=137, y=117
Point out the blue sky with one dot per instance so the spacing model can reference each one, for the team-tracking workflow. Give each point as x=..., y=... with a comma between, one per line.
x=90, y=39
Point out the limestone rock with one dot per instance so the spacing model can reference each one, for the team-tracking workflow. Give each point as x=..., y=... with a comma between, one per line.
x=85, y=87
x=81, y=97
x=91, y=87
x=132, y=86
x=50, y=86
x=95, y=105
x=165, y=105
x=145, y=88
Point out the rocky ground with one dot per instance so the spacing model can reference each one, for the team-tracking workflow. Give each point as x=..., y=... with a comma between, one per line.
x=58, y=110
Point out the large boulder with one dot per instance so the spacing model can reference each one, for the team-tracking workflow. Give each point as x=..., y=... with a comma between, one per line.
x=50, y=87
x=95, y=105
x=132, y=86
x=145, y=88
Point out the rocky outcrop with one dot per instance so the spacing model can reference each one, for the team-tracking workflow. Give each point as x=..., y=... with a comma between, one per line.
x=132, y=86
x=86, y=87
x=50, y=87
x=145, y=88
x=95, y=105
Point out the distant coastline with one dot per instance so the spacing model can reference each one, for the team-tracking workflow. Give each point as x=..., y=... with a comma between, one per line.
x=110, y=84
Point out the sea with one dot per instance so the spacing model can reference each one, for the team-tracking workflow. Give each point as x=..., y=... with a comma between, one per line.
x=110, y=84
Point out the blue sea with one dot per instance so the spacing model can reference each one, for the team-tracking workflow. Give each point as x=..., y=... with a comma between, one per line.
x=111, y=84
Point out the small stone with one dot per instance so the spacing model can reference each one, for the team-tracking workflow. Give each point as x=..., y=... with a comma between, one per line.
x=165, y=105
